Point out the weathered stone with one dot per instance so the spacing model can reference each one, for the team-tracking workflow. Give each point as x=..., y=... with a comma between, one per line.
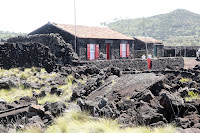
x=35, y=121
x=147, y=96
x=183, y=122
x=148, y=115
x=2, y=101
x=171, y=103
x=29, y=99
x=189, y=130
x=53, y=90
x=31, y=85
x=59, y=92
x=3, y=129
x=36, y=108
x=42, y=94
x=197, y=125
x=55, y=108
x=183, y=92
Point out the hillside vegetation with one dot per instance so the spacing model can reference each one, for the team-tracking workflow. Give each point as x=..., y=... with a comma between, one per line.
x=4, y=35
x=177, y=27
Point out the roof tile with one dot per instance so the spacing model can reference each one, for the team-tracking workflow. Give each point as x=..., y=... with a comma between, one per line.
x=148, y=39
x=92, y=32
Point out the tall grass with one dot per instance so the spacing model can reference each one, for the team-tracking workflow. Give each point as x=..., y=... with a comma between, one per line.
x=15, y=93
x=35, y=75
x=77, y=122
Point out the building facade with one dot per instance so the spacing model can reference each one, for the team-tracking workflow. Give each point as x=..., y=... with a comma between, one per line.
x=92, y=42
x=154, y=47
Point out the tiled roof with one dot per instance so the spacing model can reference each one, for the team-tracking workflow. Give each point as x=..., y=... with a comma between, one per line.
x=148, y=40
x=92, y=32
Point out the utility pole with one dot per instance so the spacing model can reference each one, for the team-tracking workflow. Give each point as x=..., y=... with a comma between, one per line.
x=145, y=38
x=75, y=25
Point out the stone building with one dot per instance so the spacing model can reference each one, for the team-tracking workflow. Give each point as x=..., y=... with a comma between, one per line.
x=92, y=42
x=155, y=47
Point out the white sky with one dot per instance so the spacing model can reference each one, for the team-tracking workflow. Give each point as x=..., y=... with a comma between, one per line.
x=27, y=15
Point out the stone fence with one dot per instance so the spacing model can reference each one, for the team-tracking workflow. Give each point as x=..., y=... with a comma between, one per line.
x=184, y=51
x=138, y=64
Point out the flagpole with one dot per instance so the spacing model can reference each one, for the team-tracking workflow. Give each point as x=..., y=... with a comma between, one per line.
x=75, y=25
x=145, y=38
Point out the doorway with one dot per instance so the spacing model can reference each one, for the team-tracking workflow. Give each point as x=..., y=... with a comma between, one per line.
x=108, y=50
x=155, y=50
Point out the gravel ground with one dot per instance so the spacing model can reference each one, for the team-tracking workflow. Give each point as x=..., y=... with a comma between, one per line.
x=190, y=62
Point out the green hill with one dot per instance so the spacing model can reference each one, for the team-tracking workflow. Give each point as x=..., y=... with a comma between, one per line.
x=179, y=26
x=4, y=35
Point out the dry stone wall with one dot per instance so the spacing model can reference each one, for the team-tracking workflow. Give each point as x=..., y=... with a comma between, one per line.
x=48, y=51
x=162, y=63
x=26, y=55
x=137, y=64
x=185, y=51
x=63, y=51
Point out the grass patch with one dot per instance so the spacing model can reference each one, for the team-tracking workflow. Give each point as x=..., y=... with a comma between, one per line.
x=50, y=98
x=113, y=82
x=192, y=95
x=31, y=130
x=15, y=93
x=79, y=122
x=183, y=80
x=35, y=75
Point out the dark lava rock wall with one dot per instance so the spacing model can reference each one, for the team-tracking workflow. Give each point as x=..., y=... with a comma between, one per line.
x=138, y=64
x=26, y=55
x=162, y=63
x=63, y=51
x=186, y=51
x=124, y=64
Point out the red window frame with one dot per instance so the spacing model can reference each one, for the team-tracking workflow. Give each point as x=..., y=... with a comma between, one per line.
x=96, y=54
x=127, y=50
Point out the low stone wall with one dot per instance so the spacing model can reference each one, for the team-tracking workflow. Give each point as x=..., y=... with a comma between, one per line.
x=131, y=64
x=137, y=64
x=162, y=63
x=185, y=51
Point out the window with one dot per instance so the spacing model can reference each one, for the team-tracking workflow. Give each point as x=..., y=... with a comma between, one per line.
x=124, y=50
x=92, y=51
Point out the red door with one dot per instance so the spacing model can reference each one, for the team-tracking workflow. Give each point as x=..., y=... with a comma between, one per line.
x=108, y=51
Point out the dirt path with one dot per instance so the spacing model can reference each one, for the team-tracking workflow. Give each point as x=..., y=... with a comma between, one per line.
x=190, y=62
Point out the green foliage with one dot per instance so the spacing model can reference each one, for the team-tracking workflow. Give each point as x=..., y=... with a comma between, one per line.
x=179, y=26
x=5, y=35
x=192, y=95
x=184, y=80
